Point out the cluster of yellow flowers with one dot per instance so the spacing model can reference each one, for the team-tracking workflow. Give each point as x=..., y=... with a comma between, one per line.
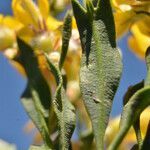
x=133, y=15
x=32, y=23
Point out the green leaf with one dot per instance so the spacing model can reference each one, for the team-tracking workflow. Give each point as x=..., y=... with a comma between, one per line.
x=64, y=110
x=131, y=112
x=101, y=65
x=147, y=80
x=65, y=38
x=37, y=97
x=135, y=101
x=82, y=22
x=137, y=129
x=90, y=10
x=130, y=92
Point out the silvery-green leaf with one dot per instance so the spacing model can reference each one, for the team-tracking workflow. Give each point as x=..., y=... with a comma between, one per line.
x=65, y=111
x=65, y=38
x=101, y=64
x=147, y=80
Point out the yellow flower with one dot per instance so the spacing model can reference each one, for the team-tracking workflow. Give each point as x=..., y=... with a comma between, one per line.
x=140, y=40
x=8, y=27
x=31, y=22
x=130, y=138
x=35, y=18
x=42, y=32
x=133, y=15
x=128, y=12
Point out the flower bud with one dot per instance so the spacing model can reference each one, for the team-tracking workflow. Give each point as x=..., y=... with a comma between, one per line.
x=7, y=38
x=42, y=42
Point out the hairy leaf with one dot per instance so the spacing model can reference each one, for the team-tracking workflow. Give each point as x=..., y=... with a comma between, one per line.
x=65, y=38
x=101, y=64
x=147, y=80
x=64, y=110
x=36, y=98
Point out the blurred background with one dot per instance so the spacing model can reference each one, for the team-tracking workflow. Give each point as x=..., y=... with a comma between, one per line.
x=12, y=115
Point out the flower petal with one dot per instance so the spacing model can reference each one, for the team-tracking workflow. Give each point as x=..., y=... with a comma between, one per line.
x=139, y=42
x=7, y=38
x=12, y=23
x=123, y=21
x=26, y=12
x=43, y=7
x=53, y=24
x=119, y=3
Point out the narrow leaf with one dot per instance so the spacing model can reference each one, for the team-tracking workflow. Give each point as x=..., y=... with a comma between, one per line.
x=82, y=23
x=130, y=92
x=36, y=98
x=64, y=110
x=147, y=80
x=65, y=38
x=101, y=67
x=131, y=112
x=32, y=106
x=134, y=105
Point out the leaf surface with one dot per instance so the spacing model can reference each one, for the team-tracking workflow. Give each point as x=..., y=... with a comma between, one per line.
x=65, y=38
x=37, y=97
x=64, y=110
x=101, y=64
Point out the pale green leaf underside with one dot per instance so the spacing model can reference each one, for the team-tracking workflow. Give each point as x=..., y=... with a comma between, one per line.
x=101, y=65
x=36, y=97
